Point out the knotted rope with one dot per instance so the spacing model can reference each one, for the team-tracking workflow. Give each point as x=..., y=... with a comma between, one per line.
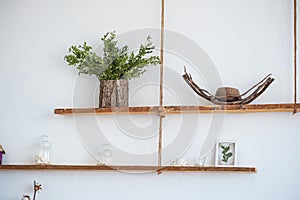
x=161, y=116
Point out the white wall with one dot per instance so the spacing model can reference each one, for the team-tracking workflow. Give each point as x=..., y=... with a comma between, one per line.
x=245, y=40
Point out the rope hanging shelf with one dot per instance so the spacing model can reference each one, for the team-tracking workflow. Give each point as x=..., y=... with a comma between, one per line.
x=162, y=111
x=280, y=107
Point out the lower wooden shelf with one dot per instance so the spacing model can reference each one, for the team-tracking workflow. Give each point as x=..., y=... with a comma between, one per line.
x=126, y=168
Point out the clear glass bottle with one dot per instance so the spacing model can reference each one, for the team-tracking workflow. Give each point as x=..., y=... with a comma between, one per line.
x=199, y=161
x=43, y=150
x=105, y=155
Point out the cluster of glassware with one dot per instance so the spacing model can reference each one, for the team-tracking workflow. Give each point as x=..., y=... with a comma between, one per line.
x=44, y=150
x=104, y=155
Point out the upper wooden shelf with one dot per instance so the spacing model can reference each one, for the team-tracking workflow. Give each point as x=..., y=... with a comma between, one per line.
x=126, y=168
x=182, y=109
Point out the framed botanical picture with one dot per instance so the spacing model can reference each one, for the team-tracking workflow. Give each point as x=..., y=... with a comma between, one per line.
x=226, y=153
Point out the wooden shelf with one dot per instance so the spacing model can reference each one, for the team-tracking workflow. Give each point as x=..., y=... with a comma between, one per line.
x=182, y=109
x=125, y=168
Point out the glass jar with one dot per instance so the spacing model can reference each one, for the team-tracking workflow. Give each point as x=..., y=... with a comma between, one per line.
x=104, y=155
x=43, y=150
x=199, y=161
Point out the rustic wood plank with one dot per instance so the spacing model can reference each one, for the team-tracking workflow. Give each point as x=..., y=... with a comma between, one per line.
x=209, y=169
x=232, y=108
x=182, y=109
x=116, y=110
x=125, y=168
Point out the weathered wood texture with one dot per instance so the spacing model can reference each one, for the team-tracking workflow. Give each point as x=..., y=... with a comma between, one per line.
x=182, y=109
x=113, y=93
x=125, y=168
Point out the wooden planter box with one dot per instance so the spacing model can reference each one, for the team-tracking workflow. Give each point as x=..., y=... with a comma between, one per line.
x=113, y=93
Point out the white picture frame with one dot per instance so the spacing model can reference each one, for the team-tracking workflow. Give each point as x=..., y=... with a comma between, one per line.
x=226, y=153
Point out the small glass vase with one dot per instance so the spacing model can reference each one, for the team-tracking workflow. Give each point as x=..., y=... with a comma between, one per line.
x=104, y=155
x=43, y=151
x=199, y=161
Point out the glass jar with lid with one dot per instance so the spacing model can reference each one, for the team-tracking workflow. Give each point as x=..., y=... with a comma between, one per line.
x=43, y=150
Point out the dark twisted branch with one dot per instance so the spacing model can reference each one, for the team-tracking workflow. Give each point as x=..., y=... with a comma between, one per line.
x=219, y=100
x=36, y=188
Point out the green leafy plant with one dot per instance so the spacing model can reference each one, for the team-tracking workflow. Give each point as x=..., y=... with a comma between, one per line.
x=225, y=153
x=116, y=63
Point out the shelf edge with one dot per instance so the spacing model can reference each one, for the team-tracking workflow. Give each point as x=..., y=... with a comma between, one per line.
x=251, y=108
x=126, y=168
